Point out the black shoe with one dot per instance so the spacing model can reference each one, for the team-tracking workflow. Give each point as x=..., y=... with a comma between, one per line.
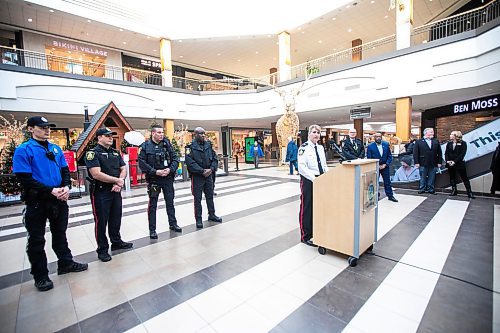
x=420, y=192
x=471, y=195
x=454, y=192
x=199, y=224
x=104, y=257
x=175, y=228
x=215, y=194
x=153, y=235
x=432, y=192
x=393, y=199
x=215, y=218
x=72, y=268
x=309, y=242
x=44, y=284
x=121, y=246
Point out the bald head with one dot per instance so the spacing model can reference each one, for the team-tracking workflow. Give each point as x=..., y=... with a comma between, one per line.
x=199, y=134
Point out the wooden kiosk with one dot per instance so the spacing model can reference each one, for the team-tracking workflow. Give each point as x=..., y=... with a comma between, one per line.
x=345, y=208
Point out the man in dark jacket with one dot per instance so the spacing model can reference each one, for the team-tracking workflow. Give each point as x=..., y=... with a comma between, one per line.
x=159, y=162
x=428, y=157
x=353, y=148
x=291, y=155
x=381, y=151
x=201, y=162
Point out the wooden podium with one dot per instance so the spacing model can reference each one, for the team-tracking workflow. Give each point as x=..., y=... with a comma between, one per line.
x=345, y=208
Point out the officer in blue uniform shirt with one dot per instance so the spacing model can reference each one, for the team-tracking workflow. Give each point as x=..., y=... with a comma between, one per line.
x=201, y=162
x=44, y=175
x=158, y=160
x=312, y=164
x=107, y=171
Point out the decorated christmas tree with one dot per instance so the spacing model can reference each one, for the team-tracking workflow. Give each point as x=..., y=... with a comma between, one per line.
x=15, y=136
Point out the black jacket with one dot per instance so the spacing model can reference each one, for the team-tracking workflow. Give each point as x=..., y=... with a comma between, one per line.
x=200, y=157
x=456, y=155
x=425, y=156
x=153, y=157
x=352, y=153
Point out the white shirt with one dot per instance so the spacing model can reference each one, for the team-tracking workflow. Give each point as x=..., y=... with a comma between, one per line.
x=308, y=162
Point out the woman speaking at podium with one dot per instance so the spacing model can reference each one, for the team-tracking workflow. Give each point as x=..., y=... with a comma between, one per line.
x=312, y=163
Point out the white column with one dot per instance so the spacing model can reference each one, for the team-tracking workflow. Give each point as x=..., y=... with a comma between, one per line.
x=285, y=62
x=166, y=62
x=404, y=23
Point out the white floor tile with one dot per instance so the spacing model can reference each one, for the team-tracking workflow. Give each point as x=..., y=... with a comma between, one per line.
x=181, y=318
x=243, y=319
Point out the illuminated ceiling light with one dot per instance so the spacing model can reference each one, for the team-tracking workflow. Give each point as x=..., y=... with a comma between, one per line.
x=239, y=60
x=180, y=40
x=148, y=37
x=299, y=28
x=256, y=65
x=89, y=21
x=373, y=1
x=69, y=52
x=349, y=30
x=302, y=32
x=256, y=52
x=181, y=56
x=334, y=18
x=218, y=54
x=320, y=41
x=203, y=62
x=386, y=16
x=347, y=6
x=121, y=29
x=124, y=43
x=30, y=20
x=53, y=48
x=268, y=36
x=154, y=50
x=51, y=10
x=87, y=33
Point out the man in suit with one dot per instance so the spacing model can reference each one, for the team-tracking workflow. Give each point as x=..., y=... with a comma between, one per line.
x=381, y=151
x=428, y=157
x=353, y=148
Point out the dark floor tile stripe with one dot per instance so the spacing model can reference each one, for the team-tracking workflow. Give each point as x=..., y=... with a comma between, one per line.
x=463, y=300
x=343, y=296
x=136, y=211
x=23, y=276
x=144, y=307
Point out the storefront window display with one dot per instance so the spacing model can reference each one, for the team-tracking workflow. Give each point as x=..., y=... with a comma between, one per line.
x=75, y=59
x=238, y=141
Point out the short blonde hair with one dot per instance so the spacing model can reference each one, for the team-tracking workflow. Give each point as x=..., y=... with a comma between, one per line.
x=314, y=127
x=457, y=134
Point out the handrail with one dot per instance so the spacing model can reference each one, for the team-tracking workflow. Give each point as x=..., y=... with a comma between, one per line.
x=449, y=26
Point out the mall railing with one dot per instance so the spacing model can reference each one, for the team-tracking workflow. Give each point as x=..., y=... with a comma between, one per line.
x=456, y=24
x=436, y=30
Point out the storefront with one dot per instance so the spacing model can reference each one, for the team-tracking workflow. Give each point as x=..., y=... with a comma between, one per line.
x=462, y=116
x=238, y=136
x=68, y=56
x=145, y=70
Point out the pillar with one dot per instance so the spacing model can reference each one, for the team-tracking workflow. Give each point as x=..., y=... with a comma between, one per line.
x=404, y=23
x=358, y=126
x=356, y=50
x=166, y=62
x=168, y=128
x=285, y=62
x=403, y=118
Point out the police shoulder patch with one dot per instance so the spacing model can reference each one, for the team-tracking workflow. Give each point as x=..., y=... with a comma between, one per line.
x=301, y=151
x=188, y=150
x=90, y=155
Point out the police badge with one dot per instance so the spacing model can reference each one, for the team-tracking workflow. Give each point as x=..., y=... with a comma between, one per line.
x=90, y=155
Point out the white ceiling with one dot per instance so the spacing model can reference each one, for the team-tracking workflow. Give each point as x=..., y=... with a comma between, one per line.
x=248, y=56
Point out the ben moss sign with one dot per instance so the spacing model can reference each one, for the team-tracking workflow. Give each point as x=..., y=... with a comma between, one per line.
x=480, y=104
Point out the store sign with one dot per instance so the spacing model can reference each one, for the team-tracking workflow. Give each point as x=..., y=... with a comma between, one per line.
x=80, y=48
x=150, y=63
x=361, y=113
x=481, y=104
x=70, y=157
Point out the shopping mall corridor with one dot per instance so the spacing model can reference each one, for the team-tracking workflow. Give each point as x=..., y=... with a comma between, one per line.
x=434, y=269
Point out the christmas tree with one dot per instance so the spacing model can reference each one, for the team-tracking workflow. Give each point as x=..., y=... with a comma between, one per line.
x=14, y=130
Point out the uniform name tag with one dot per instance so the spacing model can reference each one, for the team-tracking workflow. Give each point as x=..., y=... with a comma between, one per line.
x=165, y=163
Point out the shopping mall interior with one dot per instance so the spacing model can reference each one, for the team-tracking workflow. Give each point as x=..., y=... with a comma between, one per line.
x=260, y=72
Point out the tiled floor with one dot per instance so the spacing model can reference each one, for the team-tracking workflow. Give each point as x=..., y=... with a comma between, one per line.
x=434, y=269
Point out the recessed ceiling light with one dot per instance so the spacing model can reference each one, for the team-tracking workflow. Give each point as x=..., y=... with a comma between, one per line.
x=386, y=16
x=256, y=65
x=30, y=20
x=239, y=60
x=299, y=28
x=121, y=29
x=349, y=30
x=347, y=6
x=203, y=62
x=53, y=48
x=181, y=56
x=124, y=43
x=256, y=52
x=148, y=37
x=89, y=21
x=180, y=40
x=51, y=10
x=69, y=52
x=154, y=50
x=87, y=34
x=334, y=18
x=218, y=54
x=302, y=32
x=268, y=36
x=320, y=41
x=373, y=1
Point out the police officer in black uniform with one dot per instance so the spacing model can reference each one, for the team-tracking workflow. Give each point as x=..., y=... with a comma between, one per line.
x=107, y=171
x=159, y=162
x=201, y=162
x=42, y=170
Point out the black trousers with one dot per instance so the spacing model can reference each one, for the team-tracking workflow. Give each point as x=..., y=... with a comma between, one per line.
x=35, y=219
x=107, y=209
x=461, y=169
x=306, y=209
x=168, y=194
x=199, y=185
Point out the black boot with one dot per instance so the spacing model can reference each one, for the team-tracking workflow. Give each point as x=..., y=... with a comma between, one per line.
x=454, y=190
x=469, y=191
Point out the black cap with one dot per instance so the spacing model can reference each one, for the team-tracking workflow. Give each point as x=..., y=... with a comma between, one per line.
x=104, y=131
x=39, y=121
